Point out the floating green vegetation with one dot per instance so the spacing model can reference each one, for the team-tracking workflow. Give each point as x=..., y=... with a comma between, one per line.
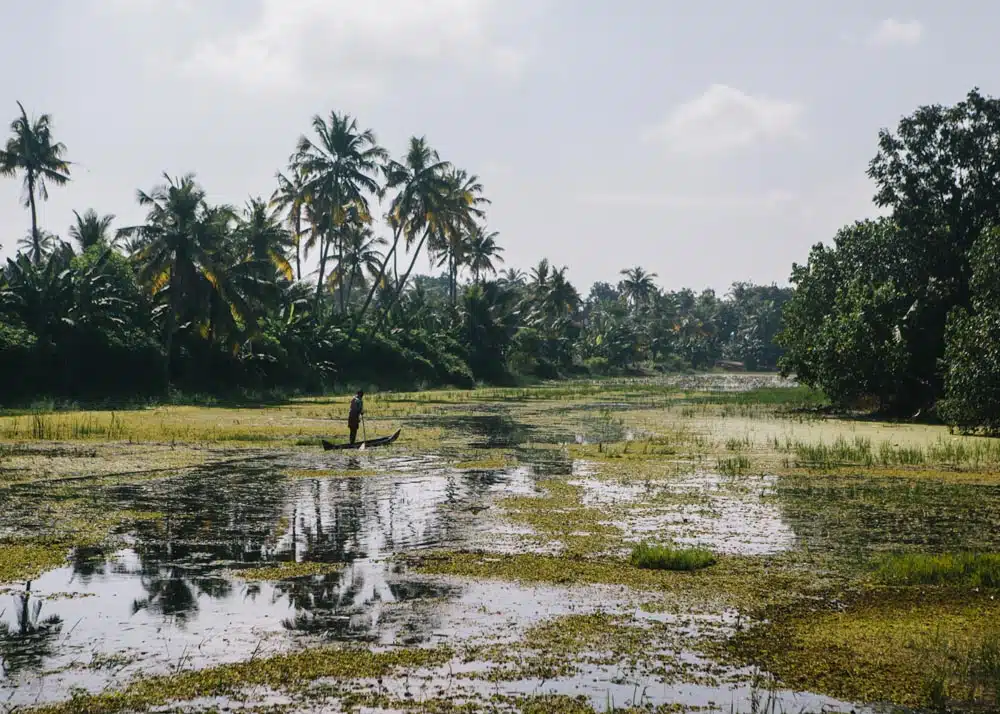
x=798, y=396
x=285, y=570
x=28, y=559
x=746, y=582
x=285, y=672
x=904, y=647
x=975, y=570
x=330, y=473
x=559, y=516
x=662, y=557
x=495, y=464
x=563, y=646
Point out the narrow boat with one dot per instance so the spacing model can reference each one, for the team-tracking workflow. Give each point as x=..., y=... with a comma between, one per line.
x=381, y=441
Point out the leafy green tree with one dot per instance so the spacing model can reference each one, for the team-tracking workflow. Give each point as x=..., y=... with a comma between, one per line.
x=972, y=353
x=849, y=327
x=32, y=152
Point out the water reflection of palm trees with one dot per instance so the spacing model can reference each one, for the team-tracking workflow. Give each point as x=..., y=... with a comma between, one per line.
x=252, y=514
x=360, y=522
x=32, y=638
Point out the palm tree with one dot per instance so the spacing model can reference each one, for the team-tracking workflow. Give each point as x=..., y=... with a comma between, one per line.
x=39, y=245
x=362, y=256
x=290, y=196
x=512, y=277
x=638, y=286
x=177, y=243
x=91, y=229
x=483, y=251
x=452, y=214
x=561, y=298
x=339, y=169
x=419, y=181
x=31, y=151
x=263, y=238
x=540, y=275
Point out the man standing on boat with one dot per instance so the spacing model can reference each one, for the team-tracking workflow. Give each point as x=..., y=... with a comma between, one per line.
x=354, y=417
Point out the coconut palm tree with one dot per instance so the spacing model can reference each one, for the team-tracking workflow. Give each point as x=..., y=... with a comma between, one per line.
x=32, y=151
x=419, y=181
x=290, y=196
x=91, y=229
x=39, y=245
x=512, y=277
x=453, y=214
x=362, y=256
x=483, y=251
x=638, y=286
x=263, y=238
x=178, y=250
x=339, y=169
x=561, y=298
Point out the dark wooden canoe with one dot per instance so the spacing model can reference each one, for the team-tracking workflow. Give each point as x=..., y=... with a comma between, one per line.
x=382, y=441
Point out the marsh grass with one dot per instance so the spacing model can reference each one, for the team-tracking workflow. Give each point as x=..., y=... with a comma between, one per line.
x=977, y=570
x=860, y=451
x=285, y=571
x=733, y=466
x=661, y=557
x=957, y=674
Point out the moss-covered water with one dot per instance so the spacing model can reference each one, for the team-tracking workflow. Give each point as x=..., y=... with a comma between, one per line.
x=207, y=557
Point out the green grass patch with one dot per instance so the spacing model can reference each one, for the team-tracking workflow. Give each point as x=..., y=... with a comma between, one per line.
x=977, y=570
x=285, y=571
x=285, y=672
x=27, y=560
x=663, y=557
x=733, y=466
x=910, y=648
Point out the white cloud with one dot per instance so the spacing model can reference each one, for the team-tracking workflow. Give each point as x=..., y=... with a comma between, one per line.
x=355, y=44
x=724, y=119
x=891, y=33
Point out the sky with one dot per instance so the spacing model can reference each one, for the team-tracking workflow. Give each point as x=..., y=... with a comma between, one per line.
x=707, y=142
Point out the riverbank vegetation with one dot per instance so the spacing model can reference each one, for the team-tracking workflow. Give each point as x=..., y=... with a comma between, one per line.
x=899, y=315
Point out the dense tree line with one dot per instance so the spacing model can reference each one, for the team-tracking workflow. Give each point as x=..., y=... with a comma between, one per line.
x=902, y=313
x=216, y=298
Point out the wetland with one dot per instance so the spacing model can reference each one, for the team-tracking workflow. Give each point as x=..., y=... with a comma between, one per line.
x=697, y=543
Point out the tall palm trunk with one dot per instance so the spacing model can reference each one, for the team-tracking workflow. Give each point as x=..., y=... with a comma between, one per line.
x=35, y=242
x=340, y=269
x=323, y=253
x=298, y=246
x=402, y=284
x=171, y=324
x=391, y=255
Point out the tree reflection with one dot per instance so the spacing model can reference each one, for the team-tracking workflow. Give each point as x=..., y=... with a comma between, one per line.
x=32, y=639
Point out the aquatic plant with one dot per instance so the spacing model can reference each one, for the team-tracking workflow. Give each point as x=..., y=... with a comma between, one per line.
x=662, y=557
x=977, y=570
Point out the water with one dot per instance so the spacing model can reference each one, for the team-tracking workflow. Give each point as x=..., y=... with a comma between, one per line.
x=167, y=594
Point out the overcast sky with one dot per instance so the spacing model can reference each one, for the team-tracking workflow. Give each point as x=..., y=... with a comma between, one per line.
x=708, y=142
